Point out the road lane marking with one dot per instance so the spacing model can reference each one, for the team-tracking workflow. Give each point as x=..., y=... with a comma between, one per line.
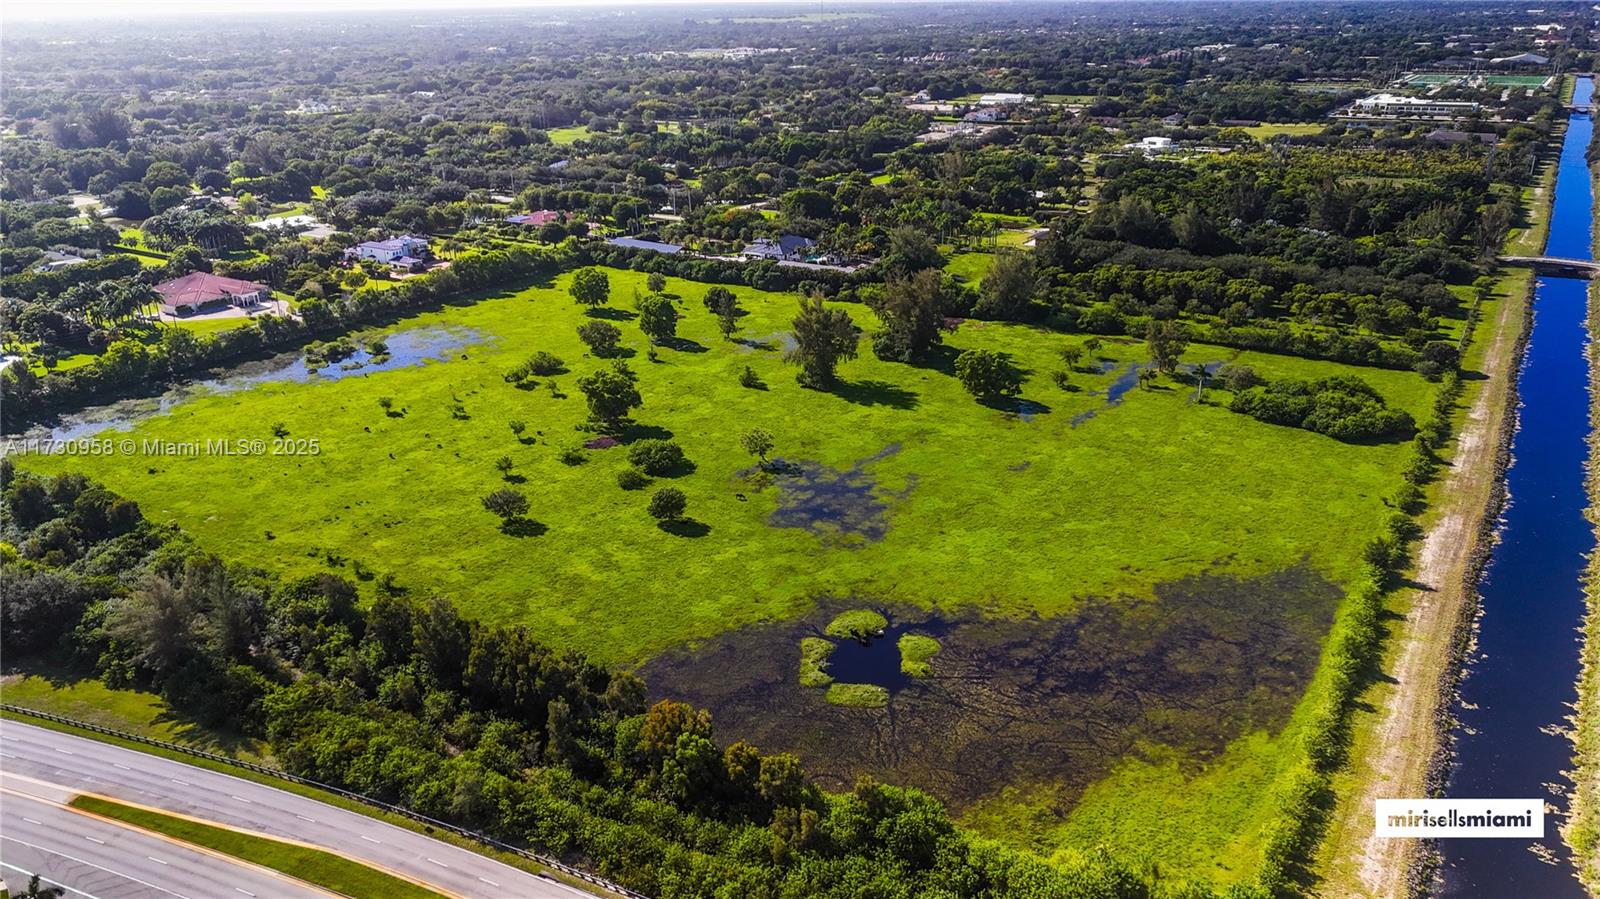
x=84, y=861
x=489, y=882
x=123, y=767
x=180, y=782
x=304, y=818
x=6, y=755
x=31, y=821
x=437, y=862
x=243, y=890
x=63, y=751
x=156, y=860
x=370, y=839
x=239, y=798
x=93, y=840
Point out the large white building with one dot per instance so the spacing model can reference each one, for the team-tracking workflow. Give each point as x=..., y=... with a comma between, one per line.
x=1004, y=99
x=1399, y=106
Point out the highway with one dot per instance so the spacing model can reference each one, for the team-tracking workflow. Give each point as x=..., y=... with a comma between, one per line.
x=41, y=757
x=98, y=859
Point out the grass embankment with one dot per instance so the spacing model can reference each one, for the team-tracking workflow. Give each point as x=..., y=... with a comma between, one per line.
x=130, y=711
x=1582, y=830
x=1395, y=729
x=315, y=866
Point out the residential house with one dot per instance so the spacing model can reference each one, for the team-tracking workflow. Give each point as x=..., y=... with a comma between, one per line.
x=1446, y=136
x=1173, y=121
x=789, y=247
x=536, y=219
x=201, y=291
x=634, y=243
x=57, y=259
x=401, y=252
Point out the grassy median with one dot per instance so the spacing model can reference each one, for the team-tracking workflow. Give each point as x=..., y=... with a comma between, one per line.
x=314, y=866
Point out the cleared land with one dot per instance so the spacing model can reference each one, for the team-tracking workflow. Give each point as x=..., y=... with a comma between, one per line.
x=1102, y=490
x=1055, y=510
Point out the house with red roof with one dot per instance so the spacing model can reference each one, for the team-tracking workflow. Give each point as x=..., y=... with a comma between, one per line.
x=202, y=291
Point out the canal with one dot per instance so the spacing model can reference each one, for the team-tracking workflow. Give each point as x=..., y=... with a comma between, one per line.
x=1522, y=674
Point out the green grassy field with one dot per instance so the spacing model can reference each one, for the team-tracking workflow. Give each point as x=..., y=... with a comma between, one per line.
x=986, y=511
x=1046, y=516
x=325, y=869
x=1271, y=129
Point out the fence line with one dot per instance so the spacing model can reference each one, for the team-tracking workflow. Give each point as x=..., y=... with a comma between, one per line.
x=482, y=838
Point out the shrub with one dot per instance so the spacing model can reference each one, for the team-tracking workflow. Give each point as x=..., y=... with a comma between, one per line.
x=573, y=455
x=668, y=504
x=657, y=457
x=632, y=479
x=915, y=651
x=749, y=378
x=856, y=624
x=543, y=363
x=860, y=696
x=506, y=503
x=602, y=337
x=988, y=375
x=1342, y=407
x=814, y=652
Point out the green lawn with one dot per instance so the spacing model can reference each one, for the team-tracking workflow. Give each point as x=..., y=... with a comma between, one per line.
x=1270, y=129
x=324, y=869
x=970, y=267
x=974, y=530
x=563, y=137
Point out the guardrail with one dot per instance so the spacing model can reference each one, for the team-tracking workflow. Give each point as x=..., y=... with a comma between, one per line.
x=475, y=836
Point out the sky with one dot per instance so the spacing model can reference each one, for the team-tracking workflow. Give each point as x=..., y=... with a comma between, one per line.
x=139, y=9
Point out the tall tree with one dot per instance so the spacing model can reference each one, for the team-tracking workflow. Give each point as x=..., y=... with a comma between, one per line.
x=912, y=311
x=1009, y=287
x=823, y=338
x=612, y=394
x=590, y=286
x=1166, y=341
x=658, y=318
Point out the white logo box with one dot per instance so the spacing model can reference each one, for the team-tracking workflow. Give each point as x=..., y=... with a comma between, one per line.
x=1447, y=818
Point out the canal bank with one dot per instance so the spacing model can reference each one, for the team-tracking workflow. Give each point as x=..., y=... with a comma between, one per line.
x=1398, y=744
x=1509, y=738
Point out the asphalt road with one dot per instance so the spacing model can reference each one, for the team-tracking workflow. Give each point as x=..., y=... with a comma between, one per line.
x=83, y=765
x=102, y=860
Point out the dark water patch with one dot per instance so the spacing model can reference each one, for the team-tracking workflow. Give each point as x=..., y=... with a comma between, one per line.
x=876, y=660
x=1056, y=700
x=844, y=504
x=403, y=349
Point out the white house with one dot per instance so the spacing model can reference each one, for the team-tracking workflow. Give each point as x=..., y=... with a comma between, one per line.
x=1005, y=99
x=394, y=251
x=1152, y=145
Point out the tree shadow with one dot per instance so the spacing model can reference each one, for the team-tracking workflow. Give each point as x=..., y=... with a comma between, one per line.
x=941, y=358
x=685, y=527
x=616, y=352
x=610, y=313
x=522, y=527
x=515, y=479
x=765, y=346
x=685, y=345
x=873, y=392
x=633, y=431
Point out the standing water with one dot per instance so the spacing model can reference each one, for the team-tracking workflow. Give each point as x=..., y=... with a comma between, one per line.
x=1515, y=699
